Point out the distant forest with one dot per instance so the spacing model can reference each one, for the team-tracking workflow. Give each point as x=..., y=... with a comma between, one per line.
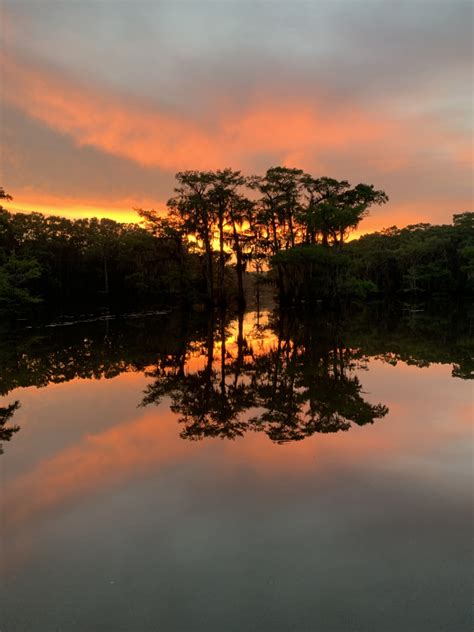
x=222, y=230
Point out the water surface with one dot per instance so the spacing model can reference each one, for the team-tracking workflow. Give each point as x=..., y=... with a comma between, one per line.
x=188, y=472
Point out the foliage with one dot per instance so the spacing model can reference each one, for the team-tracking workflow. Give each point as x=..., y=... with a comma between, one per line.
x=15, y=277
x=58, y=260
x=419, y=260
x=254, y=219
x=415, y=262
x=221, y=223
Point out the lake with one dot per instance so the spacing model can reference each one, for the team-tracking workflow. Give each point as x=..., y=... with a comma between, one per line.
x=268, y=471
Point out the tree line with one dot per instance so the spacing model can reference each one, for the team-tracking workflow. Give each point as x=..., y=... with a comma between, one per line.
x=415, y=263
x=285, y=227
x=52, y=260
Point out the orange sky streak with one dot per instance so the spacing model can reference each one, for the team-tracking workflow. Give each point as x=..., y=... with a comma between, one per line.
x=136, y=130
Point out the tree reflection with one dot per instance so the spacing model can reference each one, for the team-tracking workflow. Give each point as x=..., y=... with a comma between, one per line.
x=7, y=431
x=211, y=397
x=286, y=374
x=278, y=380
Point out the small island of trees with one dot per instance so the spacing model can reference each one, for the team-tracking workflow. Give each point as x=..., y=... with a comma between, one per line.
x=223, y=229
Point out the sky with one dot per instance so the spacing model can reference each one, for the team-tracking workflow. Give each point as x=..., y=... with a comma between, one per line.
x=104, y=101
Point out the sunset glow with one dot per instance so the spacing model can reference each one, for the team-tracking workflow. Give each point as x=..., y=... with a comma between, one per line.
x=236, y=282
x=84, y=139
x=119, y=210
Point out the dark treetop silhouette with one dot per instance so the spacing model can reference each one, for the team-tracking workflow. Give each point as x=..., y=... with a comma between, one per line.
x=7, y=430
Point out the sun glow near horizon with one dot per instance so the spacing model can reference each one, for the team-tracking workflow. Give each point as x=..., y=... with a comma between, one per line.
x=119, y=211
x=124, y=211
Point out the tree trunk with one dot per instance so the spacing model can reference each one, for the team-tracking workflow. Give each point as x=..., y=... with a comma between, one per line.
x=240, y=280
x=209, y=269
x=223, y=368
x=292, y=232
x=275, y=238
x=240, y=349
x=239, y=267
x=221, y=261
x=207, y=373
x=257, y=283
x=180, y=257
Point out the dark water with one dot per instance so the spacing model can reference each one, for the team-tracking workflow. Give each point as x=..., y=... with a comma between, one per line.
x=269, y=472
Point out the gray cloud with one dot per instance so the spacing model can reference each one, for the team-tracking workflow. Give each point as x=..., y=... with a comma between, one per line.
x=194, y=50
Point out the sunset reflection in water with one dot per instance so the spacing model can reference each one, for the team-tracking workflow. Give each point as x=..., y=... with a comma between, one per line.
x=101, y=483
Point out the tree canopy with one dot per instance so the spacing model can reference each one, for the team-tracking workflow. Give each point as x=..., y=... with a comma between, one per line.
x=286, y=226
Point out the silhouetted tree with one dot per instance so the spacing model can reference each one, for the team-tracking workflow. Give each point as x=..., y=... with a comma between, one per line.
x=191, y=207
x=6, y=413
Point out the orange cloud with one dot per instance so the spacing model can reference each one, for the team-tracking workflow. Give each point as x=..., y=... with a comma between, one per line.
x=127, y=129
x=139, y=131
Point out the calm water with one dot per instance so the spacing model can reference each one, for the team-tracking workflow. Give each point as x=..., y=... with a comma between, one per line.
x=264, y=473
